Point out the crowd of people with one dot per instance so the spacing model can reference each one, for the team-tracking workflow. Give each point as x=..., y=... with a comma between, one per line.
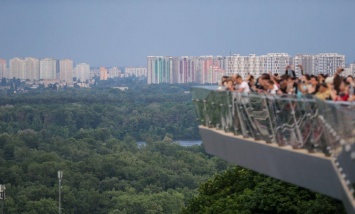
x=322, y=86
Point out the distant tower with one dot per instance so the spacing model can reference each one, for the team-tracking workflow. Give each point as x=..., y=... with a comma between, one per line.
x=17, y=68
x=48, y=69
x=3, y=68
x=103, y=73
x=66, y=71
x=160, y=69
x=82, y=72
x=32, y=68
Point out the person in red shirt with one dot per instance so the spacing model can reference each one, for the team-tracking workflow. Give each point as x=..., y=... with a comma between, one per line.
x=343, y=92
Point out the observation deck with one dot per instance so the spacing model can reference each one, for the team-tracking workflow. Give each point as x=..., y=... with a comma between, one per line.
x=303, y=141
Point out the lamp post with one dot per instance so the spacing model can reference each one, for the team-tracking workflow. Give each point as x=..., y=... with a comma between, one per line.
x=60, y=176
x=2, y=197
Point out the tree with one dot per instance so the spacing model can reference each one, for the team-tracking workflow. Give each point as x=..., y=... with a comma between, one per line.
x=43, y=206
x=239, y=190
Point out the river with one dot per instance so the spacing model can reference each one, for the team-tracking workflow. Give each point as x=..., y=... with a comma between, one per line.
x=184, y=143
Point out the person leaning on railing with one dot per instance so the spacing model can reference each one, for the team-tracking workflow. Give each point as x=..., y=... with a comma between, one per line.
x=251, y=82
x=230, y=85
x=323, y=93
x=240, y=85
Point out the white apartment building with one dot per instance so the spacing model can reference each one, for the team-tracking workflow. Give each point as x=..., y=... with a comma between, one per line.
x=32, y=68
x=306, y=60
x=82, y=72
x=327, y=63
x=47, y=69
x=27, y=68
x=257, y=65
x=276, y=62
x=17, y=68
x=245, y=65
x=114, y=72
x=3, y=73
x=66, y=71
x=135, y=71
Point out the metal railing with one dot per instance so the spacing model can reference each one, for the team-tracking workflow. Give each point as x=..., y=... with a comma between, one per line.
x=303, y=123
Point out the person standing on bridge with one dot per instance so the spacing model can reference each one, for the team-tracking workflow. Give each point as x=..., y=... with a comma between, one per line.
x=241, y=86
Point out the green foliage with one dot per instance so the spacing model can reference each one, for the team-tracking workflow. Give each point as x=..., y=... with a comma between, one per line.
x=147, y=114
x=239, y=190
x=91, y=136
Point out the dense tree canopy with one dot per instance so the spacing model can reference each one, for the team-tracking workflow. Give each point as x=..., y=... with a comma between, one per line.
x=147, y=113
x=100, y=175
x=239, y=190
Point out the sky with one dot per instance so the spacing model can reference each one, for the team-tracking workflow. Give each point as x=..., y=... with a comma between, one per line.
x=124, y=32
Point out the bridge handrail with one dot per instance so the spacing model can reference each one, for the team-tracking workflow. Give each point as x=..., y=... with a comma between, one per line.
x=300, y=122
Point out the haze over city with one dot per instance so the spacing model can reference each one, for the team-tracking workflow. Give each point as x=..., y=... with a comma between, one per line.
x=124, y=33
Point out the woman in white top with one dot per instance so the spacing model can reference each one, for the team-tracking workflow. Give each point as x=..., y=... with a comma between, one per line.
x=271, y=87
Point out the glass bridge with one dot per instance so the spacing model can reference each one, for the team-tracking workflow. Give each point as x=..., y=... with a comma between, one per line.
x=304, y=141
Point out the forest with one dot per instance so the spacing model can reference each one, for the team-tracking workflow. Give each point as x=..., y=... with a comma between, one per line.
x=91, y=135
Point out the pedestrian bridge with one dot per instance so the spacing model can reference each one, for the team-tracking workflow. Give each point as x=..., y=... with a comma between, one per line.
x=303, y=141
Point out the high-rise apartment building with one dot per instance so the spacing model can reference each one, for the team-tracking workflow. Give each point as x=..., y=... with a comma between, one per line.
x=47, y=69
x=186, y=69
x=103, y=73
x=17, y=68
x=24, y=69
x=3, y=73
x=307, y=62
x=209, y=69
x=159, y=69
x=276, y=62
x=327, y=63
x=245, y=65
x=32, y=68
x=82, y=72
x=66, y=71
x=114, y=72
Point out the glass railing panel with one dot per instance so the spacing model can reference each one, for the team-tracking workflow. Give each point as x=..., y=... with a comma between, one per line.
x=346, y=113
x=238, y=123
x=242, y=107
x=226, y=112
x=213, y=108
x=199, y=96
x=306, y=123
x=285, y=122
x=259, y=117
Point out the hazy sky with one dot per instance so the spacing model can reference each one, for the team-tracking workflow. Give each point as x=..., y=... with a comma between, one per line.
x=124, y=33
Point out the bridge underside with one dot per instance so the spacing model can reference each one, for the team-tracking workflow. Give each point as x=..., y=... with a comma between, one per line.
x=313, y=171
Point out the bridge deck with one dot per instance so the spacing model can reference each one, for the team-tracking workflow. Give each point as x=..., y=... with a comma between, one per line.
x=313, y=171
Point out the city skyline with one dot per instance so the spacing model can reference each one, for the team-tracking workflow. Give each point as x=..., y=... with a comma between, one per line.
x=210, y=69
x=175, y=69
x=112, y=33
